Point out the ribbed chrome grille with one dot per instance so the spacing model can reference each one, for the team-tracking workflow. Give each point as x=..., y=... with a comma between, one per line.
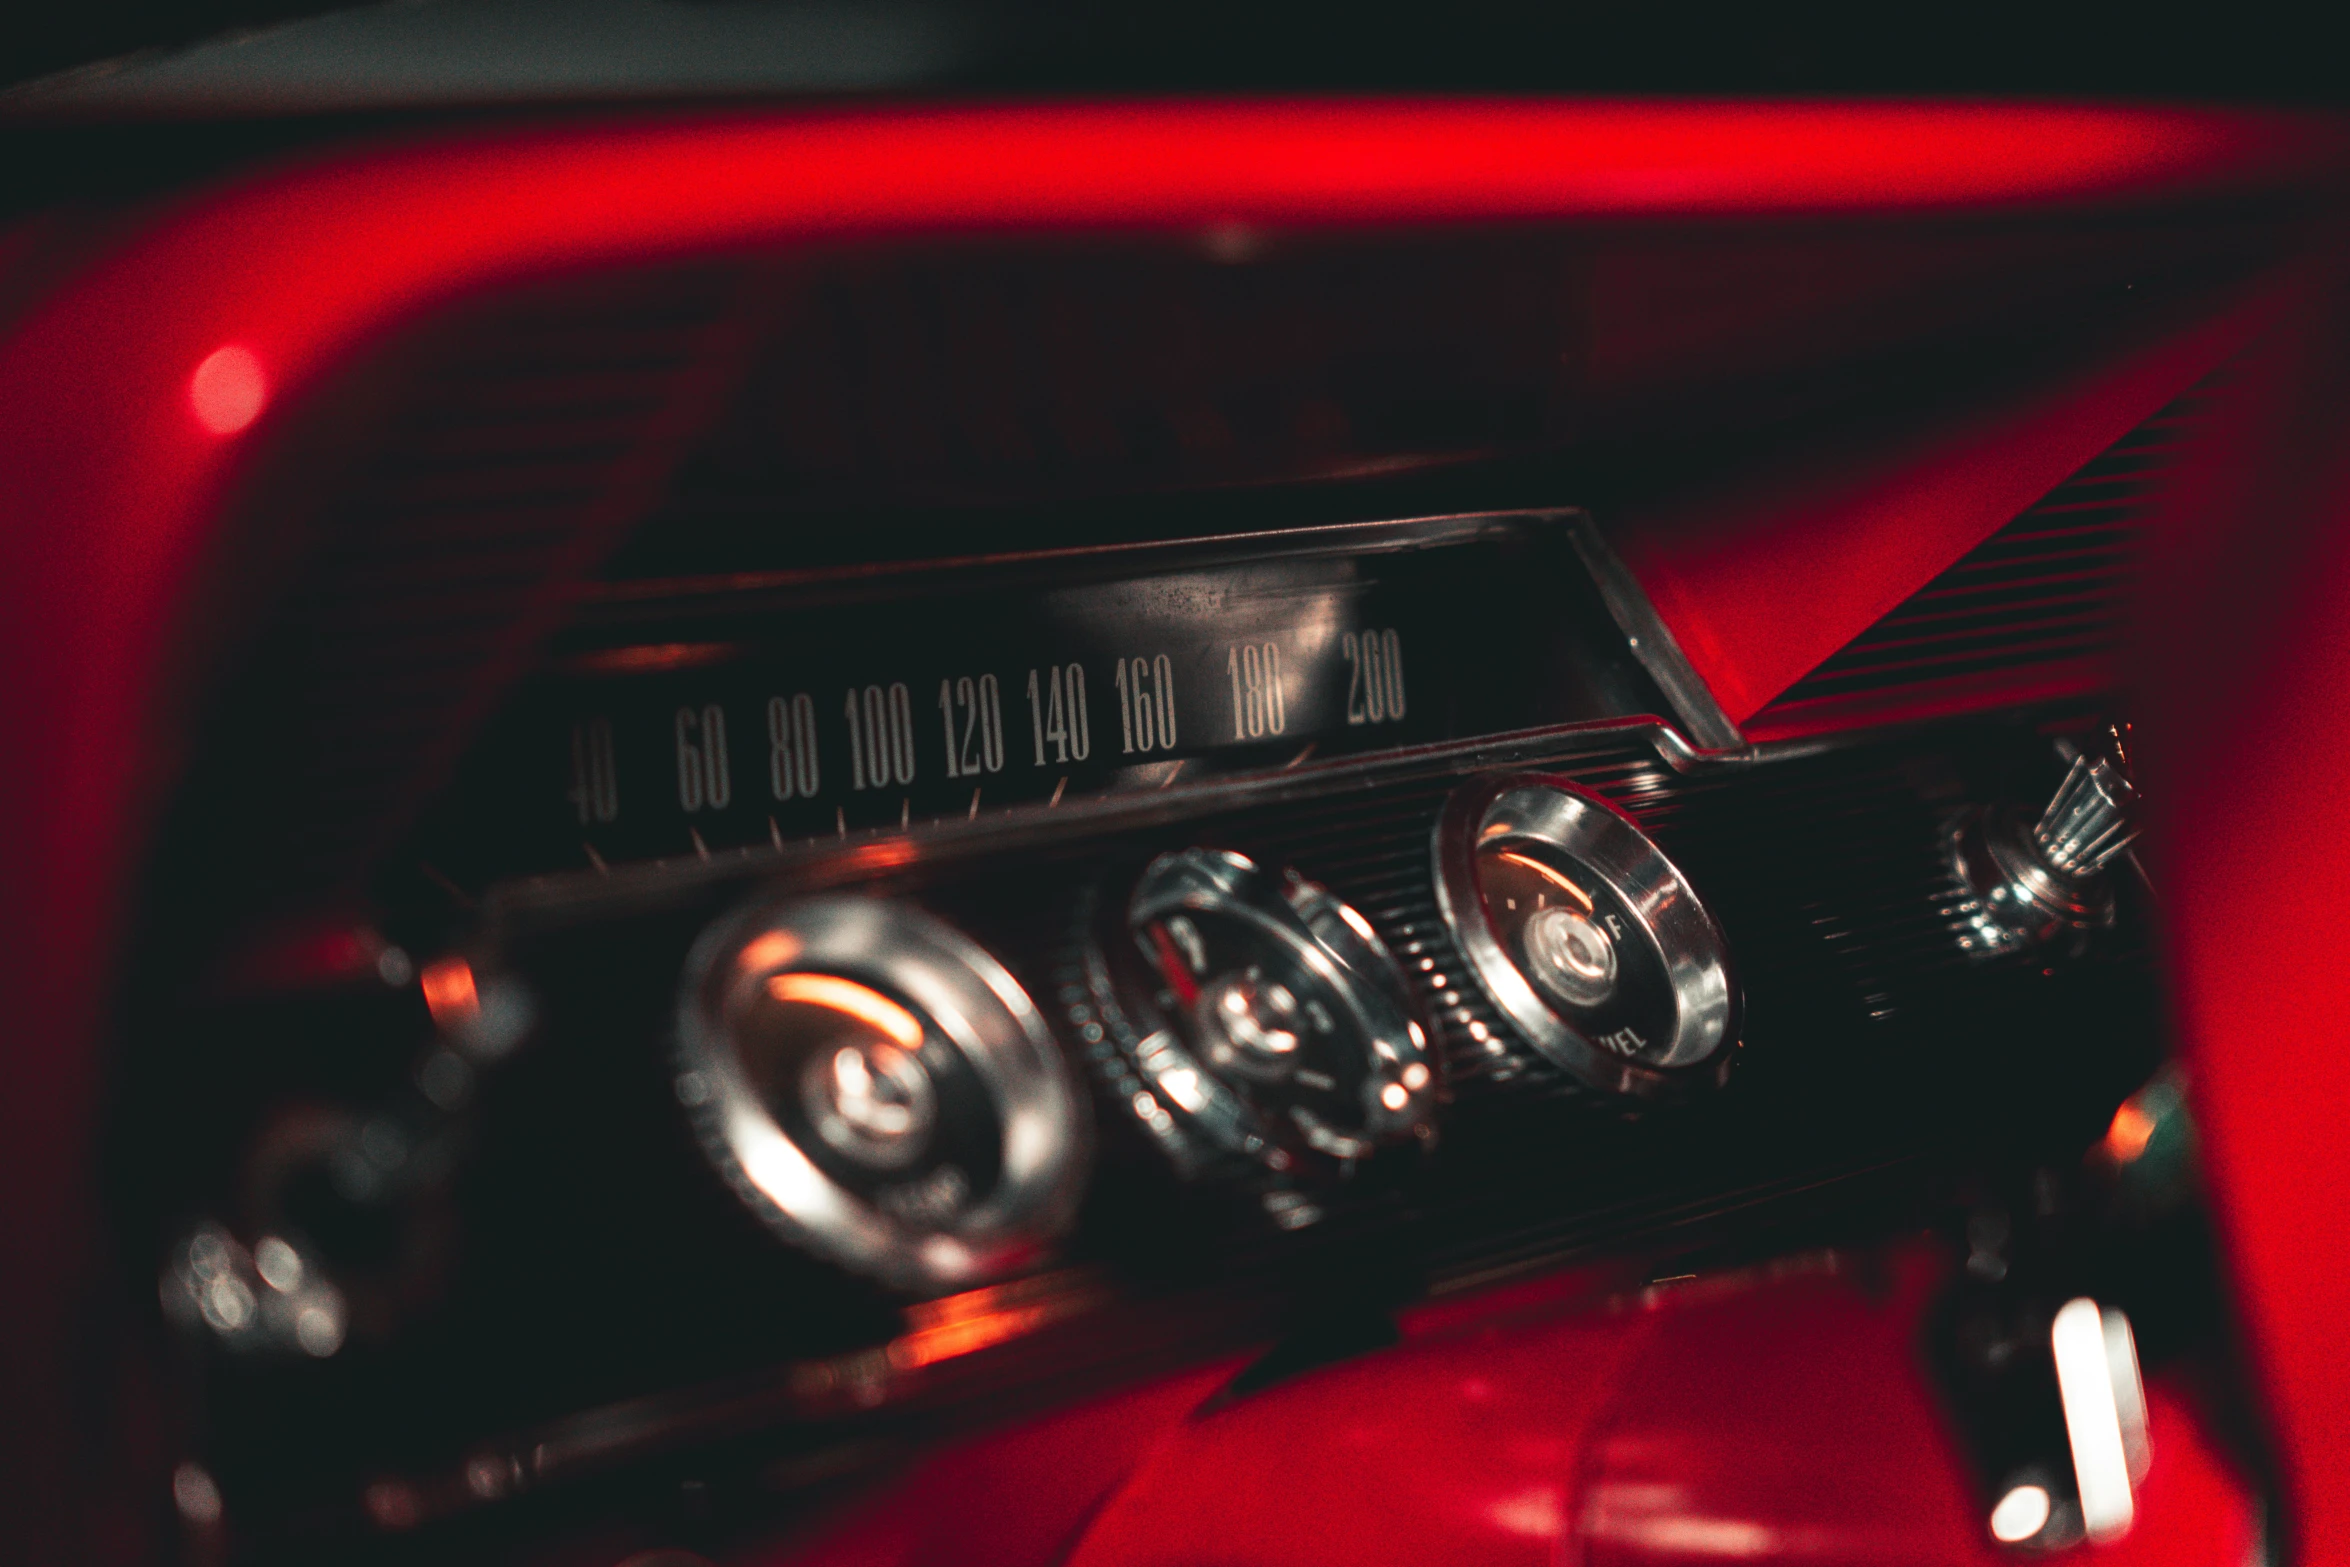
x=1827, y=874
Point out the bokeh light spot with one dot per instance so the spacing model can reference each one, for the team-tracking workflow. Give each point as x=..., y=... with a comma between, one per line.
x=228, y=390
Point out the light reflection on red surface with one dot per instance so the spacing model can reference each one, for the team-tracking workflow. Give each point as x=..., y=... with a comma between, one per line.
x=1767, y=1417
x=963, y=1324
x=1760, y=593
x=2248, y=839
x=228, y=390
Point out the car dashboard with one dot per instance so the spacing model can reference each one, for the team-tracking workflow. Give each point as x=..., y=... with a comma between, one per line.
x=1169, y=830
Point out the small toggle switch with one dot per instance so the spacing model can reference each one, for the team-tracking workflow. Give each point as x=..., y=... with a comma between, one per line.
x=2032, y=883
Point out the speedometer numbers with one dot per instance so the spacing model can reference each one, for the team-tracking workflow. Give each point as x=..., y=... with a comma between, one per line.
x=700, y=717
x=1057, y=717
x=1260, y=706
x=1146, y=705
x=785, y=761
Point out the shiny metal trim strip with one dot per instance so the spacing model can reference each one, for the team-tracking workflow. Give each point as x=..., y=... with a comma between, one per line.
x=563, y=897
x=1651, y=639
x=1139, y=557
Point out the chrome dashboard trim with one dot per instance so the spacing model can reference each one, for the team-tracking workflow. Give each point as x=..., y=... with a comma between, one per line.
x=909, y=578
x=830, y=860
x=1650, y=638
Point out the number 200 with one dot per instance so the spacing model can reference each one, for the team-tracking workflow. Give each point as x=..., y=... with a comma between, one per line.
x=1374, y=676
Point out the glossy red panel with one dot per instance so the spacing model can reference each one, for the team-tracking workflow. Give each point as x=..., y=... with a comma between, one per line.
x=1796, y=1424
x=2245, y=669
x=1760, y=586
x=1015, y=1499
x=1785, y=1420
x=1462, y=1451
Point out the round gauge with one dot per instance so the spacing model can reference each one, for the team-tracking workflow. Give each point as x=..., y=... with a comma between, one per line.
x=1587, y=937
x=1265, y=1020
x=880, y=1090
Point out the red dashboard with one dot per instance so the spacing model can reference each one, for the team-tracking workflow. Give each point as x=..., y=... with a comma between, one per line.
x=1889, y=466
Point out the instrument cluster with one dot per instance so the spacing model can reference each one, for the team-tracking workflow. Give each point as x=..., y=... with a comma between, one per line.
x=739, y=1110
x=886, y=1093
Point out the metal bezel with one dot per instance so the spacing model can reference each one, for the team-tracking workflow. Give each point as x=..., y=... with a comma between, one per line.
x=1332, y=942
x=1650, y=639
x=1561, y=815
x=971, y=999
x=2014, y=900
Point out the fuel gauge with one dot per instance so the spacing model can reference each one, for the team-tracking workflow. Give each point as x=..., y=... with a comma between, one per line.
x=1587, y=937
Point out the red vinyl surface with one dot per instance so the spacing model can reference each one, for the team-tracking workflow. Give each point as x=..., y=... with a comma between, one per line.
x=1756, y=1419
x=2245, y=669
x=1759, y=593
x=125, y=433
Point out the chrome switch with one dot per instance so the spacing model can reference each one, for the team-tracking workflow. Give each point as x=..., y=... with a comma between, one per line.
x=2031, y=883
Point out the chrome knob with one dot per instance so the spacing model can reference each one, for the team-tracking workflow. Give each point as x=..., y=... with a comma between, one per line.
x=1571, y=955
x=880, y=1090
x=1252, y=1025
x=1586, y=937
x=2089, y=822
x=869, y=1096
x=1259, y=1021
x=2030, y=882
x=275, y=1297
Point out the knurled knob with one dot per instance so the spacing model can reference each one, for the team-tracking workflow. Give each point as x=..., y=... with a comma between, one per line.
x=2089, y=822
x=2032, y=883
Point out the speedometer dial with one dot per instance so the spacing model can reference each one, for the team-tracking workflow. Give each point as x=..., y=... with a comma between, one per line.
x=686, y=718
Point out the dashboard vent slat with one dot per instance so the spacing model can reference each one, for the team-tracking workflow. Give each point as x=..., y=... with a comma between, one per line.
x=2034, y=612
x=520, y=439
